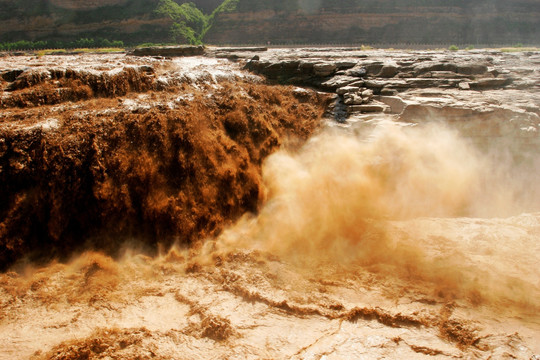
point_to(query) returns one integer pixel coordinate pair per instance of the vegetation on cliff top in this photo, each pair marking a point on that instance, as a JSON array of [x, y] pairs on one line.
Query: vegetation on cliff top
[[189, 23], [81, 43]]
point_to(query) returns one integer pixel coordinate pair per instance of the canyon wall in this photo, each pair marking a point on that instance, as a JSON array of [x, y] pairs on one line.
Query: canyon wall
[[132, 21], [281, 22], [386, 21]]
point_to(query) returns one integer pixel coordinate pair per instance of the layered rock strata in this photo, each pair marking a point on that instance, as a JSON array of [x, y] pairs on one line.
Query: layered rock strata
[[464, 88]]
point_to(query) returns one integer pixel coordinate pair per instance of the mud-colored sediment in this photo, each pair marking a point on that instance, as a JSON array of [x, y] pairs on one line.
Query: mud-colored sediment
[[115, 159], [193, 211]]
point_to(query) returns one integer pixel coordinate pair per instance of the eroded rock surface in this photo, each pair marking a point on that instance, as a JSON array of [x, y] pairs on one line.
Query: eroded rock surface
[[465, 88]]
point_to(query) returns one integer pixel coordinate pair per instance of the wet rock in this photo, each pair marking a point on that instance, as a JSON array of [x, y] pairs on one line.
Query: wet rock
[[358, 71], [243, 49], [172, 51], [347, 89], [352, 99], [398, 75], [273, 70], [281, 70], [29, 78], [306, 67], [146, 69], [290, 65], [231, 57], [369, 108], [11, 75], [338, 81]]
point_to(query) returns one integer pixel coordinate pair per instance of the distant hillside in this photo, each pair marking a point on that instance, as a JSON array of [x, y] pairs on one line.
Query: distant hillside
[[379, 21], [275, 21], [132, 21]]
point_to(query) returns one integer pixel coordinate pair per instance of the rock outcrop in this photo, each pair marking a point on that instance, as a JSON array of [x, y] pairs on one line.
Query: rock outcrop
[[186, 50], [382, 21], [485, 94]]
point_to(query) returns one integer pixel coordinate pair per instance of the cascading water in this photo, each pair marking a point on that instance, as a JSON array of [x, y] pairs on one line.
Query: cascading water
[[396, 240]]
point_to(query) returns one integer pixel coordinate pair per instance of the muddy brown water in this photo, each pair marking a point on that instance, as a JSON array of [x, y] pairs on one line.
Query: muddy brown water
[[213, 216]]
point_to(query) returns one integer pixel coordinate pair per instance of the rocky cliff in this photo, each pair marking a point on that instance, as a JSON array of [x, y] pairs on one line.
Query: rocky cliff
[[281, 22], [385, 21], [127, 20]]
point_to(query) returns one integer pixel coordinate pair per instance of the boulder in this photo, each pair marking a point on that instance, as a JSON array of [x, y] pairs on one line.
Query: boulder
[[358, 71], [11, 75], [273, 71], [347, 89], [344, 65], [388, 71], [338, 81], [368, 94], [464, 86], [397, 105], [324, 69], [375, 84], [352, 99]]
